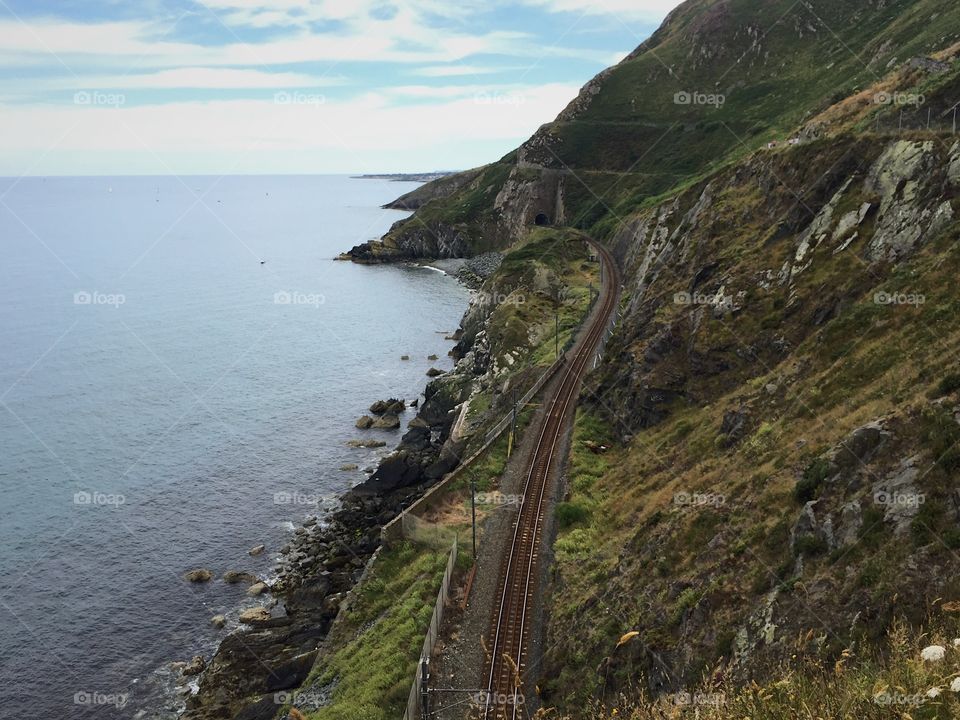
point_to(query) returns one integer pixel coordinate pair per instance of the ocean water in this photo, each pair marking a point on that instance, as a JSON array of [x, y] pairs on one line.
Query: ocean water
[[181, 365]]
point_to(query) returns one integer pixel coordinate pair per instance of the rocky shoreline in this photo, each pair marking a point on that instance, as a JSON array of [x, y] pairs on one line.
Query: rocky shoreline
[[471, 271], [277, 643]]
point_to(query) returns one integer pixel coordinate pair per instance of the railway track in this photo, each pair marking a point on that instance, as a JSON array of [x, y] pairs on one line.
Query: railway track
[[518, 576]]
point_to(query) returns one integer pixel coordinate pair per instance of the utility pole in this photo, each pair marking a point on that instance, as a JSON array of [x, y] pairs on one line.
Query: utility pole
[[929, 110], [954, 119], [473, 515], [556, 332], [900, 129]]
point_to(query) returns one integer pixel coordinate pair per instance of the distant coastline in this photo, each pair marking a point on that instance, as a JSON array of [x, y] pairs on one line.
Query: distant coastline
[[406, 177]]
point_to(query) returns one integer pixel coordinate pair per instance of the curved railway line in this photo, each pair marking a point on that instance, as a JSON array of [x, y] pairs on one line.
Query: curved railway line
[[518, 576]]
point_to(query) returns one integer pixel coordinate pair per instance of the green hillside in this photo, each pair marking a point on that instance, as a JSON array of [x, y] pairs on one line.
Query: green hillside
[[719, 80], [777, 518]]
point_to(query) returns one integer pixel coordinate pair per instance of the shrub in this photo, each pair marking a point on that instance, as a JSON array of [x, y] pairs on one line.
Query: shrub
[[571, 513], [810, 546], [948, 384], [951, 538], [813, 477]]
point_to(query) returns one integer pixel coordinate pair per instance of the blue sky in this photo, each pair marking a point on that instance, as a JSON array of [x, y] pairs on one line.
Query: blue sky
[[298, 86]]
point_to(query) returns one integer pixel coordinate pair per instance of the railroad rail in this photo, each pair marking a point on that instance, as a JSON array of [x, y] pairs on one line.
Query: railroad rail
[[520, 570]]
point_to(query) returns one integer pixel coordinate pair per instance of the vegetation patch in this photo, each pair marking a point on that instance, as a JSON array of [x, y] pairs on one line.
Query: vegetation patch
[[376, 647]]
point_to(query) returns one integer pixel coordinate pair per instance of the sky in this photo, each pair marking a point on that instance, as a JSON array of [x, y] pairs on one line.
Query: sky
[[114, 87]]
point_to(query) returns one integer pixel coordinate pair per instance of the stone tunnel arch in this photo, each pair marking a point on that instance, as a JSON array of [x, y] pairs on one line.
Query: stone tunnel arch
[[541, 219]]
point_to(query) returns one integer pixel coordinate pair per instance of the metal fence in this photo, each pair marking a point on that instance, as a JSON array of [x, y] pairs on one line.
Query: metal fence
[[406, 525], [433, 632], [429, 534], [504, 423]]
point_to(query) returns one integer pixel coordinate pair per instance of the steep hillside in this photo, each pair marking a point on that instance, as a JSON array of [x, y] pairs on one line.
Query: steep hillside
[[765, 478], [720, 79], [781, 403]]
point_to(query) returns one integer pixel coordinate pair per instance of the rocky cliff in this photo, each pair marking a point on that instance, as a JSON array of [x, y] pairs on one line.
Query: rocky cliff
[[781, 401], [764, 473]]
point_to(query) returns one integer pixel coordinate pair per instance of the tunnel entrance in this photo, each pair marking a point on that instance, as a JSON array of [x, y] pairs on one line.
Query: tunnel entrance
[[541, 219]]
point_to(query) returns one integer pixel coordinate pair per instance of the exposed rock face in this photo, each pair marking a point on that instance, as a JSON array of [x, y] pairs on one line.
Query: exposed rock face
[[539, 151], [734, 425], [529, 193], [907, 177], [199, 575], [928, 65], [415, 241], [858, 449], [851, 523], [899, 496], [895, 194]]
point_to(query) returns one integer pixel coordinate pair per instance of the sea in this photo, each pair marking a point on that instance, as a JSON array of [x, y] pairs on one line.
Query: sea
[[181, 366]]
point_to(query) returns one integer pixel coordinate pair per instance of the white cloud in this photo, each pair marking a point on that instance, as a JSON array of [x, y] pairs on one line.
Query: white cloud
[[460, 117], [74, 45], [458, 70], [652, 11], [280, 13], [366, 133], [188, 78]]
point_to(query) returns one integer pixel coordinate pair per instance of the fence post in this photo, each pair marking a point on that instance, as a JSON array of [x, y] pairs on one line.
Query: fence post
[[424, 691]]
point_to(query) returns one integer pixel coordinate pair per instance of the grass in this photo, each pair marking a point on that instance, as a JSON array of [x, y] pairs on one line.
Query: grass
[[687, 577], [895, 683], [630, 546], [377, 644]]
